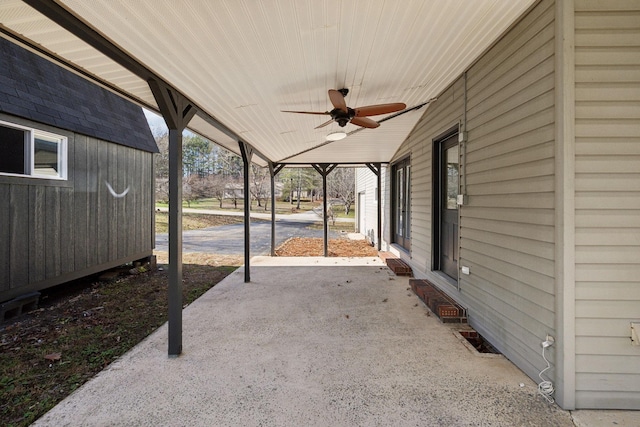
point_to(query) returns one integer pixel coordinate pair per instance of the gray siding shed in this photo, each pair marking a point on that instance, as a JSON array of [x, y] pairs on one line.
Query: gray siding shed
[[57, 230]]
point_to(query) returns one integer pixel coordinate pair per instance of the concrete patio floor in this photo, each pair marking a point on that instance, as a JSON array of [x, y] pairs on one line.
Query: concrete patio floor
[[311, 342]]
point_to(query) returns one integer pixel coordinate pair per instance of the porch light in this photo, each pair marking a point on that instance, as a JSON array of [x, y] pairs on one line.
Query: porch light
[[336, 136]]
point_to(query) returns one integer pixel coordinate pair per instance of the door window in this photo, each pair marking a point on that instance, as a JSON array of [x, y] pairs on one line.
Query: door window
[[445, 190], [402, 203]]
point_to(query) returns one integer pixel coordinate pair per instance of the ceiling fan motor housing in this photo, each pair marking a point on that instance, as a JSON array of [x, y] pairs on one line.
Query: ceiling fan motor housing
[[343, 117]]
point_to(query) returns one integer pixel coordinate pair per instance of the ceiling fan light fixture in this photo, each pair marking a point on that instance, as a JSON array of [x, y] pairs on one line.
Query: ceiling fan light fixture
[[336, 136]]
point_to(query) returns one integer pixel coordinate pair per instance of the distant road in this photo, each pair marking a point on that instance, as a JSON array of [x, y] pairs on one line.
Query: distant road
[[307, 216], [229, 239]]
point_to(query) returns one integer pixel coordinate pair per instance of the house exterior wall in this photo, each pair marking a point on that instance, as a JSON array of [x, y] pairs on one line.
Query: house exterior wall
[[507, 227], [607, 197], [54, 231], [551, 168], [367, 183], [442, 115]]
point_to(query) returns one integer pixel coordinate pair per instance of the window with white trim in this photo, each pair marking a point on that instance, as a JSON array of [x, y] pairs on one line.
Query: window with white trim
[[32, 152]]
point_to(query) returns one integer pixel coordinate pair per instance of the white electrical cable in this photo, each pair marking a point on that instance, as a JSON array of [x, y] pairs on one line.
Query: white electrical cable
[[545, 388]]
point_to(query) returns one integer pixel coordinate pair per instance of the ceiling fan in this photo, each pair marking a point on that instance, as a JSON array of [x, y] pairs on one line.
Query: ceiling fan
[[357, 116]]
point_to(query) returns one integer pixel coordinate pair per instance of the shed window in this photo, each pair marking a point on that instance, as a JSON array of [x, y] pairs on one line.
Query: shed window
[[32, 152]]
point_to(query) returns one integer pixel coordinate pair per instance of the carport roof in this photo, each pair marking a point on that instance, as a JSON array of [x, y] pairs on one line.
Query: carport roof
[[243, 61]]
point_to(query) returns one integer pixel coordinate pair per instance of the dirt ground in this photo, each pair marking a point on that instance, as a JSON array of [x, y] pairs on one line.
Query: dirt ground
[[214, 260], [81, 327]]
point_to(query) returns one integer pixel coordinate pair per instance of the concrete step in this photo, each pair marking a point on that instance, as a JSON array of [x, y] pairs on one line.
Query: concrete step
[[443, 306], [398, 266]]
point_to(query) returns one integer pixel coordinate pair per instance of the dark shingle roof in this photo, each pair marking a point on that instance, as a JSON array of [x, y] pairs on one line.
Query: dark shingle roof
[[35, 88]]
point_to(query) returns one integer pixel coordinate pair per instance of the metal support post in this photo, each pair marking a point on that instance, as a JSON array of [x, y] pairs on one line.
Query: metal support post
[[325, 169], [274, 168], [175, 242], [177, 112], [247, 153]]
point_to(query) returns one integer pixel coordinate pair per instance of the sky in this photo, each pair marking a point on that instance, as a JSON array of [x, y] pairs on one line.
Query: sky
[[158, 126], [156, 123]]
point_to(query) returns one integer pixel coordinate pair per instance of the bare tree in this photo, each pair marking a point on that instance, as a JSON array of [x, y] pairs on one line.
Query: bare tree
[[233, 189], [341, 185], [161, 165], [162, 189], [215, 186], [258, 187], [192, 188], [161, 159]]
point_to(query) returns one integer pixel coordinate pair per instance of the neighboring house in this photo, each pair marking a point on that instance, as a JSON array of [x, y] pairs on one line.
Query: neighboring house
[[543, 147], [76, 176], [236, 190]]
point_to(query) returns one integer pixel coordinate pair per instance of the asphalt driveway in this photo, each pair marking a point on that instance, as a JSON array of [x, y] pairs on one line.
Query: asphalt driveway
[[229, 239]]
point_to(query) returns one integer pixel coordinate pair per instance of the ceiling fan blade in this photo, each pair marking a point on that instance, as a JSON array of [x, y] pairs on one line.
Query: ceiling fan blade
[[324, 124], [306, 112], [365, 122], [337, 99], [374, 110]]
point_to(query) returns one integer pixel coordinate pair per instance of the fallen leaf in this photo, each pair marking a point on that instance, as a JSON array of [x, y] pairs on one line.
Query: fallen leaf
[[53, 356]]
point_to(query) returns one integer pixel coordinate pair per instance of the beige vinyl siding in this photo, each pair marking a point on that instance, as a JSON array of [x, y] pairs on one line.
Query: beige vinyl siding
[[440, 116], [607, 202], [366, 182], [386, 196], [507, 228]]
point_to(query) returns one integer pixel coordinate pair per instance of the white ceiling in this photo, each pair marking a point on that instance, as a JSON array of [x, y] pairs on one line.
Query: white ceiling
[[242, 61]]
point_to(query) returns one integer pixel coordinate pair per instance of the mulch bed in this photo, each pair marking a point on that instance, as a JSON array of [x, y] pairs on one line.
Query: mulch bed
[[308, 246]]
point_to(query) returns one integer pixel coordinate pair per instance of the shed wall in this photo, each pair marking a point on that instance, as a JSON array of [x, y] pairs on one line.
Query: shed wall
[[607, 179], [57, 231]]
